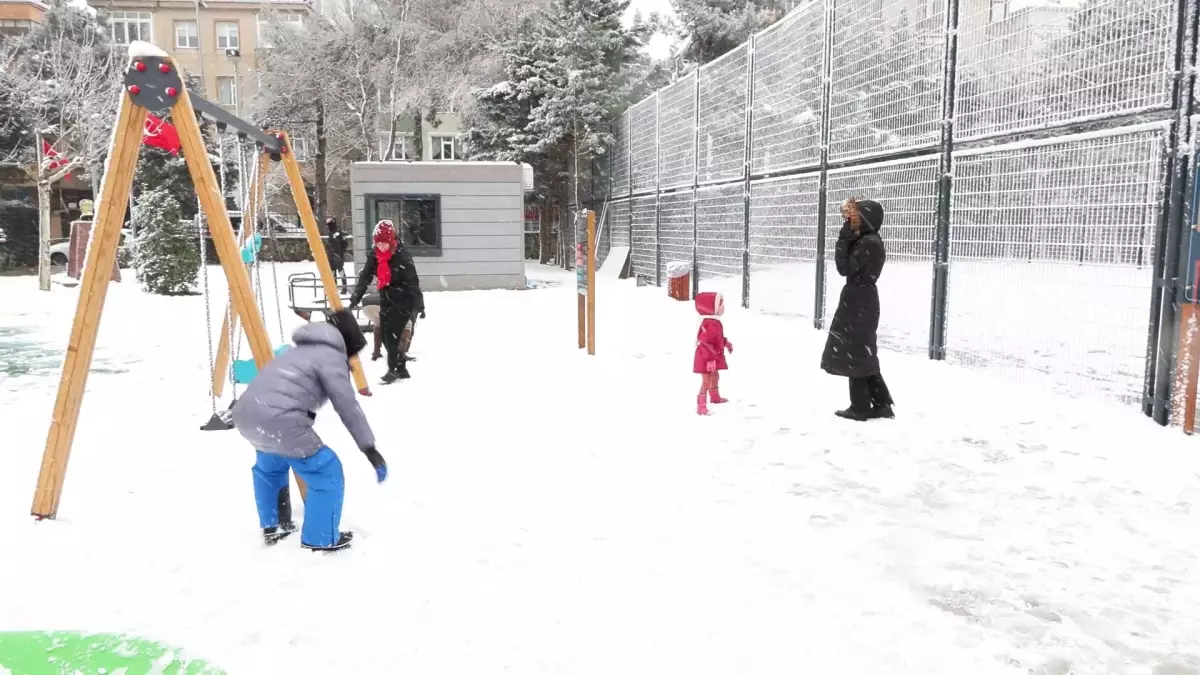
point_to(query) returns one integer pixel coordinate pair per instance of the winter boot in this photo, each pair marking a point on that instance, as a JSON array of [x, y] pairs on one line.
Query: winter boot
[[342, 542], [883, 412], [852, 414], [701, 405], [389, 377], [402, 371], [714, 396], [273, 535]]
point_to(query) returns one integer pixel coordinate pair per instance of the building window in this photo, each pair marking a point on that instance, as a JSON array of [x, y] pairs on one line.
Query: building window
[[187, 36], [299, 148], [227, 35], [444, 147], [418, 220], [285, 20], [24, 24], [130, 26], [404, 149], [227, 91]]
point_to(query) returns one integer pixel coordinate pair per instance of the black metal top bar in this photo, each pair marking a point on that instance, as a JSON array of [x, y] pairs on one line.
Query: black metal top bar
[[153, 83]]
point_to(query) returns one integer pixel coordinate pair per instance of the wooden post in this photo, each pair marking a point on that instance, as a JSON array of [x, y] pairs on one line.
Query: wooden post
[[123, 155], [221, 364], [304, 208], [1189, 347], [591, 283], [228, 251]]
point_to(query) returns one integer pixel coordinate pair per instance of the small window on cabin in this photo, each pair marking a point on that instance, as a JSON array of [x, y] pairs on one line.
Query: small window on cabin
[[417, 219]]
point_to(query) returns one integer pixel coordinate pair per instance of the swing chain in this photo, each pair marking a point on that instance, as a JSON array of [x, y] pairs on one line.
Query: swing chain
[[212, 396]]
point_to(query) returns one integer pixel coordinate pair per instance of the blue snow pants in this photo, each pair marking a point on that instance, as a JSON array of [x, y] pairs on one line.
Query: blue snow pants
[[326, 489]]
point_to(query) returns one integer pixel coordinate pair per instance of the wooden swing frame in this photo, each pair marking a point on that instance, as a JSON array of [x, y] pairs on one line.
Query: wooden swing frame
[[153, 82]]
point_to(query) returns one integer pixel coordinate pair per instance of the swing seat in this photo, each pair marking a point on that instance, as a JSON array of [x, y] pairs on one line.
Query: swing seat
[[251, 249], [244, 370]]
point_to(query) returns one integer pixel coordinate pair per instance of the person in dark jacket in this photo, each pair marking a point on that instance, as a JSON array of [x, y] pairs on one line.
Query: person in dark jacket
[[851, 350], [335, 248], [276, 416], [400, 296]]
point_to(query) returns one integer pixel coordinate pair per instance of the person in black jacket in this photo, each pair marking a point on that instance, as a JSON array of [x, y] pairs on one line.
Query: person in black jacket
[[852, 347], [335, 248], [399, 294]]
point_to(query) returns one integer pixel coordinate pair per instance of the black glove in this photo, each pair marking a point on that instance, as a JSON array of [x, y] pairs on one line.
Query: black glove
[[422, 314], [354, 300], [312, 415], [377, 462]]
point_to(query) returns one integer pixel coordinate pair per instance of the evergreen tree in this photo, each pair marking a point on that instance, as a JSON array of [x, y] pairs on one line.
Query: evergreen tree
[[709, 28], [166, 257]]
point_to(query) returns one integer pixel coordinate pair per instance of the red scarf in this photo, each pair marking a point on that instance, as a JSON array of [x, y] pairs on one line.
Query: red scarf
[[383, 272]]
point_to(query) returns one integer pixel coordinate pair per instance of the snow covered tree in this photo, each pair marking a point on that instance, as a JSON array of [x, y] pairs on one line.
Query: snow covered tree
[[709, 28], [567, 73], [167, 257], [63, 77]]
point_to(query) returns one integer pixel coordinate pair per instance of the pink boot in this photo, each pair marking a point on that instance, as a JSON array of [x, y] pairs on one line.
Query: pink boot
[[715, 396], [701, 405]]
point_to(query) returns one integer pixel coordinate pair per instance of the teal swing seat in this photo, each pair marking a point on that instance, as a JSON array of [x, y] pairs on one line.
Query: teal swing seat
[[244, 370]]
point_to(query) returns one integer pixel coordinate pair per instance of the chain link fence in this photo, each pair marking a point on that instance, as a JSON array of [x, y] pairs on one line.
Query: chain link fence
[[1022, 152]]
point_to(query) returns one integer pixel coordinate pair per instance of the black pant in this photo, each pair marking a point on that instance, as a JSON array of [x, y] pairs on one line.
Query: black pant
[[392, 321], [869, 392], [339, 273]]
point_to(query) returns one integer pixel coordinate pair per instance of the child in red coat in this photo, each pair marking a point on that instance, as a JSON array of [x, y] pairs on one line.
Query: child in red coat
[[711, 346]]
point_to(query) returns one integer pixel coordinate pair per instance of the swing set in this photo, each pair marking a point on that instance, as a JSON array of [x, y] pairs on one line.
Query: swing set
[[153, 83]]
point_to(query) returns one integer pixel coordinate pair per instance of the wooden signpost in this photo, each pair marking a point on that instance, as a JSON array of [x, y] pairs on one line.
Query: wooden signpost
[[585, 284]]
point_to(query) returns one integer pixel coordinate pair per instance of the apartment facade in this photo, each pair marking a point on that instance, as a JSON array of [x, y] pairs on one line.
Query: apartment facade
[[18, 16], [214, 41]]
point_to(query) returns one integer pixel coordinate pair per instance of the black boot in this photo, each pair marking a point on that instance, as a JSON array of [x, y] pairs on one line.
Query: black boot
[[882, 412], [343, 542], [402, 371], [273, 535], [389, 377], [852, 414], [860, 401]]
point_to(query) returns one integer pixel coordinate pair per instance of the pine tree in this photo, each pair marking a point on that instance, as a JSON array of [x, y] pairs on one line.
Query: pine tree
[[167, 257], [710, 28]]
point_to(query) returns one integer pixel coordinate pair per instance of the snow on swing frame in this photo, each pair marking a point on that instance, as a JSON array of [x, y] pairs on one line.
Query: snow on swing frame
[[152, 82]]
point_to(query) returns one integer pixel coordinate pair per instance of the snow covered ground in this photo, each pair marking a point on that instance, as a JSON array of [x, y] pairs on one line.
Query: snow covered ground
[[550, 512]]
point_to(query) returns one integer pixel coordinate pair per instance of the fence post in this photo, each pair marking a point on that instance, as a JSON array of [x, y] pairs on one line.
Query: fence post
[[657, 190], [696, 187], [1162, 342], [629, 181], [823, 188], [941, 244], [746, 172]]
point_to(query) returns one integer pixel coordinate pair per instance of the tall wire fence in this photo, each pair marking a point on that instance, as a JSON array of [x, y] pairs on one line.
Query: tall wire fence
[[1031, 158]]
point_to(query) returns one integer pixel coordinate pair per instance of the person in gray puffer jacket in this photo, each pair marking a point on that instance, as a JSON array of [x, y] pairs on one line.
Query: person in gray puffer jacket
[[276, 416]]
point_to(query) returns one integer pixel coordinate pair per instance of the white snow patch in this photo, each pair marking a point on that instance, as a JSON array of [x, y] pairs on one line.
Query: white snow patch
[[139, 49]]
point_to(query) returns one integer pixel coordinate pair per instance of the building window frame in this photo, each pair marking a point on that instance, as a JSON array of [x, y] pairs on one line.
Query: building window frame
[[191, 39], [438, 143], [417, 250], [141, 22], [263, 21], [230, 101], [224, 42]]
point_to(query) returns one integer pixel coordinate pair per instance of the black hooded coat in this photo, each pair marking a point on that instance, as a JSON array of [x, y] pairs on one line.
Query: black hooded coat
[[852, 347]]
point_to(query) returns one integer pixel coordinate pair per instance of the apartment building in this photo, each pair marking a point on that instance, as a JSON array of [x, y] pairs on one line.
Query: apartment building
[[214, 41], [18, 16], [440, 134]]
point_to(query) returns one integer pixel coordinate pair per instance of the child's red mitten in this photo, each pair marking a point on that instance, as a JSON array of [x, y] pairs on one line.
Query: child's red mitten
[[729, 346], [711, 366]]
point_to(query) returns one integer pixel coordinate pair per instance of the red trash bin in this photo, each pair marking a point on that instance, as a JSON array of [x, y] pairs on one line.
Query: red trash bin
[[679, 281]]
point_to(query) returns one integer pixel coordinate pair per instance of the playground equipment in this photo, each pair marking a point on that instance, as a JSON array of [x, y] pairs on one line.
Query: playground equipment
[[153, 82], [76, 652]]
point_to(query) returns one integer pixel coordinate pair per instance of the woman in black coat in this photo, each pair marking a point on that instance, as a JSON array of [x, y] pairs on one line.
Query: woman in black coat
[[851, 349], [335, 248]]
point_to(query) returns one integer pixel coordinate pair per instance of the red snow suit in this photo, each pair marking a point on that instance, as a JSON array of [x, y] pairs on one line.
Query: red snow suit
[[710, 339]]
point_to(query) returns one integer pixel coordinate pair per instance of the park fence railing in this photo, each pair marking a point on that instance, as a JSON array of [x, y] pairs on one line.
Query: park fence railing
[[1032, 158]]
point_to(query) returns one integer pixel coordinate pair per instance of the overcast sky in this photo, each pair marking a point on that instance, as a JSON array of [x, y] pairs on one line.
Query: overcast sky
[[660, 45]]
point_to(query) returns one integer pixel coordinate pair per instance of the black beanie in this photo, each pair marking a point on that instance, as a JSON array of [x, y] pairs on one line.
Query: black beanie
[[345, 323]]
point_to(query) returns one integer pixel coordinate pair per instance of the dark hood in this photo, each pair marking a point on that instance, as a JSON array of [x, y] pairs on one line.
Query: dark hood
[[872, 215]]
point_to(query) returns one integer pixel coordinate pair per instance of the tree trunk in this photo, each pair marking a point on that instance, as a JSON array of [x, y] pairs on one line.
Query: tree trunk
[[321, 178], [43, 234], [418, 137], [544, 234]]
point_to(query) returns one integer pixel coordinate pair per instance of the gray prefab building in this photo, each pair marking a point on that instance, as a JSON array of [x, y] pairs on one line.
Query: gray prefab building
[[463, 222]]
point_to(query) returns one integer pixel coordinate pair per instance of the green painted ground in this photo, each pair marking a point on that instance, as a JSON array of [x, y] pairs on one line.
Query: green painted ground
[[68, 653]]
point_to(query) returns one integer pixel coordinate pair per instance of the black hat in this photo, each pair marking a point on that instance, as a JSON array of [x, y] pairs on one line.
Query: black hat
[[345, 323]]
